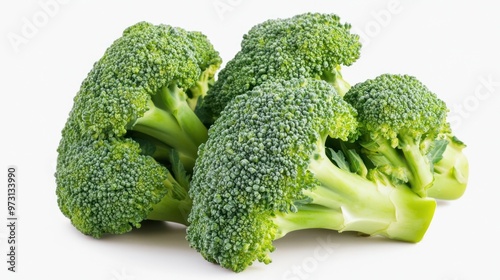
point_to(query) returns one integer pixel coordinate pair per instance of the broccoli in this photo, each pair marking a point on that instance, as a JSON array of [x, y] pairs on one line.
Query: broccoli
[[450, 166], [310, 45], [265, 171], [400, 119], [131, 139]]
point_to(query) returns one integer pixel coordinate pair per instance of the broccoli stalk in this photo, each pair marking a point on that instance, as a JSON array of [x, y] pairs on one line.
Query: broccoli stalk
[[346, 201], [418, 163], [334, 77], [171, 209], [451, 170], [404, 160], [174, 207], [170, 119]]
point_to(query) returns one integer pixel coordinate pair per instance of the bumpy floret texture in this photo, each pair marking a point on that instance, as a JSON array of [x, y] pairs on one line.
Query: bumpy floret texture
[[146, 58], [107, 182], [392, 105], [255, 164], [308, 45], [107, 186]]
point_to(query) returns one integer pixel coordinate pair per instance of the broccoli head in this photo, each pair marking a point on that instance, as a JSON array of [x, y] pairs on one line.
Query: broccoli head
[[310, 45], [265, 171], [400, 119], [131, 139], [110, 186]]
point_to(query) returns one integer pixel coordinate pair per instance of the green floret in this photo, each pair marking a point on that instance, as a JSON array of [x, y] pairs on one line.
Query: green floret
[[139, 96], [399, 118], [110, 186], [310, 45], [264, 172], [210, 62], [140, 84]]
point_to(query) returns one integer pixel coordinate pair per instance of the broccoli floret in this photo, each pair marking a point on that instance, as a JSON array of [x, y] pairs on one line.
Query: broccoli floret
[[110, 186], [264, 172], [400, 119], [210, 62], [131, 138], [310, 45]]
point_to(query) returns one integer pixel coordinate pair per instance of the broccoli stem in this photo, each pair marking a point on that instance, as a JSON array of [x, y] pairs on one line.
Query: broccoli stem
[[177, 104], [386, 158], [163, 153], [171, 210], [411, 166], [383, 147], [160, 151], [334, 77], [420, 168], [450, 173], [345, 201], [162, 126], [175, 206], [171, 121]]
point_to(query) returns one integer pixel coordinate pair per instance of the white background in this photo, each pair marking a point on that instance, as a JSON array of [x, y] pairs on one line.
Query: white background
[[47, 50]]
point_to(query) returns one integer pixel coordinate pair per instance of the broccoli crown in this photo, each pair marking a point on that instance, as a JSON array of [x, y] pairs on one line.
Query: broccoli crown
[[310, 45], [109, 174], [255, 164], [108, 186], [391, 106], [145, 59]]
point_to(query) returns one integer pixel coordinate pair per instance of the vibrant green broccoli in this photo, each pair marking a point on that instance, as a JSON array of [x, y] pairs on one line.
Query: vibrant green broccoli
[[265, 171], [450, 166], [310, 45], [131, 138], [400, 120]]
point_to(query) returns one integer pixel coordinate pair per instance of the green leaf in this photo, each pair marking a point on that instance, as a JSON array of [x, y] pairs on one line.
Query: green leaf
[[435, 153], [356, 162], [339, 159]]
